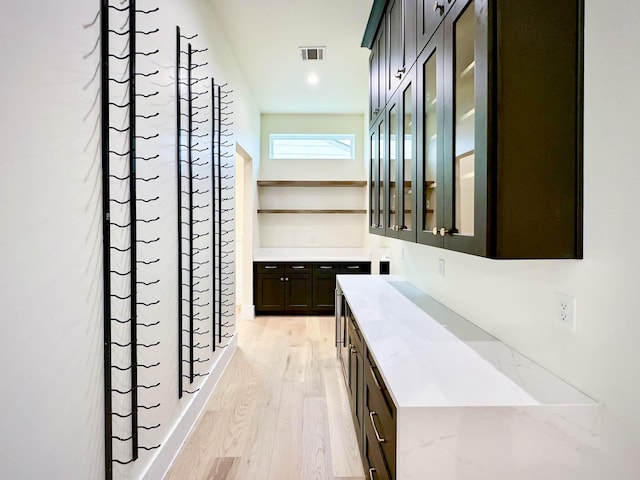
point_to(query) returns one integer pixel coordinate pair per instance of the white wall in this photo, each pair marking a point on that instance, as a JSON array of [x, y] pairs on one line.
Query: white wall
[[312, 230], [51, 317], [514, 299]]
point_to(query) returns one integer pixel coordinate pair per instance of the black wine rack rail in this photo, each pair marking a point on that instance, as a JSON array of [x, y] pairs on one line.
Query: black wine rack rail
[[128, 269]]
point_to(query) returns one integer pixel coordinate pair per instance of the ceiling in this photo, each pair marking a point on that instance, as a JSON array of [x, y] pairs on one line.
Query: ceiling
[[265, 36]]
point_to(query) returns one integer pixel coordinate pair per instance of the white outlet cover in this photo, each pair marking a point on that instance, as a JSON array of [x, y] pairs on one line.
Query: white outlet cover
[[565, 309]]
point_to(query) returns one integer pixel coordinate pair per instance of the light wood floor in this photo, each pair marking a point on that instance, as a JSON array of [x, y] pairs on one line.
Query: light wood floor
[[280, 411]]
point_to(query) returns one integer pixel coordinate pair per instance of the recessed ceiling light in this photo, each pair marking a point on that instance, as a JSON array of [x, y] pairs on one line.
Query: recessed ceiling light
[[313, 79]]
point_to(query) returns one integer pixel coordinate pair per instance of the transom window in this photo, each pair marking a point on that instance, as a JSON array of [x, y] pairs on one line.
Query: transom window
[[311, 146]]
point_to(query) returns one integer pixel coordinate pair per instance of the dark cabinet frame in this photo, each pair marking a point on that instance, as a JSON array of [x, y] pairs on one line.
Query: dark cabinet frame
[[528, 83], [434, 50], [399, 229], [400, 26], [377, 206], [377, 76]]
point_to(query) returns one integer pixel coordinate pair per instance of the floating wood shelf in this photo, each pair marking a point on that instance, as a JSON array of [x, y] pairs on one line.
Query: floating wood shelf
[[312, 183], [310, 211]]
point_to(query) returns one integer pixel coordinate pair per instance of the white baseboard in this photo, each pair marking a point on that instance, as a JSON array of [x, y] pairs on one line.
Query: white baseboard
[[171, 447], [247, 312]]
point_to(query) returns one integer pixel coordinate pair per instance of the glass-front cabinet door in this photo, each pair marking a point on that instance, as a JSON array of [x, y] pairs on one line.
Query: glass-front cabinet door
[[402, 161], [463, 227], [391, 170], [430, 125], [376, 177]]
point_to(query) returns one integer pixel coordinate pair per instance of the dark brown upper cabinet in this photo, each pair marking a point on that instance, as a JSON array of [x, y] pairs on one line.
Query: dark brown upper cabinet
[[430, 141], [498, 107], [377, 140], [377, 76], [400, 161], [400, 26], [430, 15]]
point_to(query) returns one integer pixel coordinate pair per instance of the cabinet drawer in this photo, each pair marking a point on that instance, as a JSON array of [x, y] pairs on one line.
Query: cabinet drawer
[[326, 268], [297, 267], [375, 465], [272, 267], [355, 335], [380, 413], [374, 378], [355, 267]]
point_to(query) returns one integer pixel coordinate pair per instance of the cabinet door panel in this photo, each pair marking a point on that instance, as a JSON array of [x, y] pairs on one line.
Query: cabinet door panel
[[298, 292], [400, 25], [430, 125], [391, 169], [270, 293], [407, 160], [466, 120], [377, 76], [430, 15], [324, 292]]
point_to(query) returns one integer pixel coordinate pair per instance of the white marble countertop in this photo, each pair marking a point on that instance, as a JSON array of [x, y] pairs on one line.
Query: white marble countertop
[[311, 255], [441, 359]]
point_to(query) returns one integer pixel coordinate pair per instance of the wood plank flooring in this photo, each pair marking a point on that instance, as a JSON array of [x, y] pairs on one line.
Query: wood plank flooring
[[280, 411]]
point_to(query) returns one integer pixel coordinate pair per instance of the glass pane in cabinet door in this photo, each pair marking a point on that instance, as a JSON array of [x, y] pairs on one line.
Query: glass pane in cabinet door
[[430, 136], [464, 101], [381, 159], [372, 182], [393, 165], [407, 148]]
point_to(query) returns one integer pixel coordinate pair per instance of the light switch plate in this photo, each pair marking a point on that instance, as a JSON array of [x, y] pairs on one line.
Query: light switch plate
[[441, 267]]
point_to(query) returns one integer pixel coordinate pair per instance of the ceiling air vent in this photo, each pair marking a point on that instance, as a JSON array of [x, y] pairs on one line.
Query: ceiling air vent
[[313, 53]]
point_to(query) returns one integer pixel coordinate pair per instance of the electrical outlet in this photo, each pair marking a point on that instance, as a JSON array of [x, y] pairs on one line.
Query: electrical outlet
[[565, 309]]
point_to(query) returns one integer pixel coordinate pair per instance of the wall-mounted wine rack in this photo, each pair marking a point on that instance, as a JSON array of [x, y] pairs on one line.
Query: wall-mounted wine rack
[[205, 196], [127, 248]]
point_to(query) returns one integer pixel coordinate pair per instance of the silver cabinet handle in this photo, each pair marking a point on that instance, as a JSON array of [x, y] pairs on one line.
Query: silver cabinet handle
[[372, 472], [435, 231], [353, 267], [286, 279], [375, 429], [270, 267], [375, 379], [298, 267], [443, 231], [282, 279], [326, 267]]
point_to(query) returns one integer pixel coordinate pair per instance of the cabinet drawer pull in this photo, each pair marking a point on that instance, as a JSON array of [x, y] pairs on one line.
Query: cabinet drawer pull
[[282, 279], [298, 267], [372, 472], [269, 267], [353, 267], [375, 429], [326, 267], [375, 379], [286, 279]]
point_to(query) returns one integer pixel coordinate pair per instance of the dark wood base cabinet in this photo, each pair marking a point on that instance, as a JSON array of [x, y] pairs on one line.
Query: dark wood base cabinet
[[373, 410], [305, 288]]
